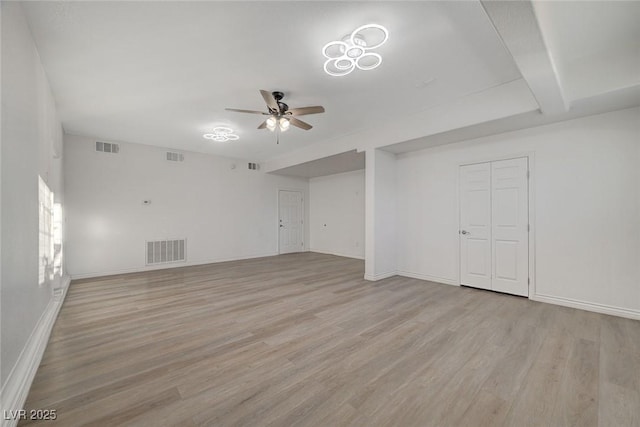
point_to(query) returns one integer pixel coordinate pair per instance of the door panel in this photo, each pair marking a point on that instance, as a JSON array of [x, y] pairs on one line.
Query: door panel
[[505, 211], [475, 225], [506, 255], [290, 221], [478, 257], [510, 220]]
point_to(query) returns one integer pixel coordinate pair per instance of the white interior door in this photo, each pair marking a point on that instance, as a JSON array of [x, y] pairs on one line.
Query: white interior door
[[291, 224], [475, 225], [494, 226], [509, 229]]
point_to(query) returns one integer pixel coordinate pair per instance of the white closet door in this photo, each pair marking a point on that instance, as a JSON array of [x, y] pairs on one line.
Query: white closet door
[[475, 225], [509, 230], [494, 226]]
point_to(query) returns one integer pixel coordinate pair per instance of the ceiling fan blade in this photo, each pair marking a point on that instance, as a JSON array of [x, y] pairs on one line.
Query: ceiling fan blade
[[299, 123], [263, 125], [246, 111], [306, 110], [270, 100]]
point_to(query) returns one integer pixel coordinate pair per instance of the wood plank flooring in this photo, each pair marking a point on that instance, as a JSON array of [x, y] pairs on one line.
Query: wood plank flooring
[[303, 340]]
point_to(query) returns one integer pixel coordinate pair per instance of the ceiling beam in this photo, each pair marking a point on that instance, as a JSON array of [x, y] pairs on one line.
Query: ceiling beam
[[517, 26], [500, 101]]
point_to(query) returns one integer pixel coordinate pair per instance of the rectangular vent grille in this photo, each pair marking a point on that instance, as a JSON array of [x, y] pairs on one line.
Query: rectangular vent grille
[[175, 157], [107, 147], [254, 166], [165, 251]]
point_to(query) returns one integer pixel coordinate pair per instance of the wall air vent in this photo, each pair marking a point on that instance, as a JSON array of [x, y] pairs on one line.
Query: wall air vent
[[107, 147], [254, 166], [175, 157], [166, 251]]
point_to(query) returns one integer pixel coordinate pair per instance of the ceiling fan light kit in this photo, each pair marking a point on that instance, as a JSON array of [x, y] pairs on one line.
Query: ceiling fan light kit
[[353, 51], [271, 123], [284, 124]]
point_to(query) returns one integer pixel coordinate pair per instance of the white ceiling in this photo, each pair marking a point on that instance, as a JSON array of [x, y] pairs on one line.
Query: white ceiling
[[161, 73], [595, 44]]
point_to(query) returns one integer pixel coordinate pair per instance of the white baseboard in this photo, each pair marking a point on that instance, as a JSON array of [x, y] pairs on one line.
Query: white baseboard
[[165, 266], [16, 388], [342, 254], [379, 276], [435, 279], [589, 306]]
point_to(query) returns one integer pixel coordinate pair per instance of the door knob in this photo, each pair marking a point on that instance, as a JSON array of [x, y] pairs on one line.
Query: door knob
[[281, 225], [464, 232]]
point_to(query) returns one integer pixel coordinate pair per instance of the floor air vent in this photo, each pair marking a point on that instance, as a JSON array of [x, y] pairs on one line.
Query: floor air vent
[[107, 147], [254, 166], [165, 251]]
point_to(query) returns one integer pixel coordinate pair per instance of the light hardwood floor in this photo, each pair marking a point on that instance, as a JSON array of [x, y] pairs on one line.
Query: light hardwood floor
[[303, 340]]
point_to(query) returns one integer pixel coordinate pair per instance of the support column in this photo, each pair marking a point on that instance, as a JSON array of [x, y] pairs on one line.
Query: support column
[[380, 215]]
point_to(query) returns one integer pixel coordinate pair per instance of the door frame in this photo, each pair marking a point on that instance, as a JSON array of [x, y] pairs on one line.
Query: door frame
[[530, 155], [304, 218]]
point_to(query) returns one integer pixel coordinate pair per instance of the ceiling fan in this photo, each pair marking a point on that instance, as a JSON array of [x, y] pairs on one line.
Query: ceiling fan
[[280, 116]]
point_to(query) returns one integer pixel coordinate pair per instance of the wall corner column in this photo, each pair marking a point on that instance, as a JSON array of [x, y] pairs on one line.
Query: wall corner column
[[380, 215]]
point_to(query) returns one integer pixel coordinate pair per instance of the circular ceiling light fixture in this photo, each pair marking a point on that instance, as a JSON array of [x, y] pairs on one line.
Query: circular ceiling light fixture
[[221, 134], [353, 51]]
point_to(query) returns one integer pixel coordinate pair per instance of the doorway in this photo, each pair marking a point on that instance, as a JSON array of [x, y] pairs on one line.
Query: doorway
[[494, 226]]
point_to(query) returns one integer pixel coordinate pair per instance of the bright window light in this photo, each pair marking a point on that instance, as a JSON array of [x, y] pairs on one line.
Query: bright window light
[[46, 239], [57, 239]]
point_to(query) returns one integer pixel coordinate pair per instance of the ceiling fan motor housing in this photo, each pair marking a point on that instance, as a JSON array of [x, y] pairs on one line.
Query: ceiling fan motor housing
[[278, 97]]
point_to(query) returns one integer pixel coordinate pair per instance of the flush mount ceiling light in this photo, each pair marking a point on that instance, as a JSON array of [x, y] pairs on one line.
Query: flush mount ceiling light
[[221, 134], [353, 51]]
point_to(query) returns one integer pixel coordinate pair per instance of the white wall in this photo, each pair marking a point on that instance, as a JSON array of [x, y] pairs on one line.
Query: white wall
[[586, 184], [31, 133], [223, 213], [336, 214]]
